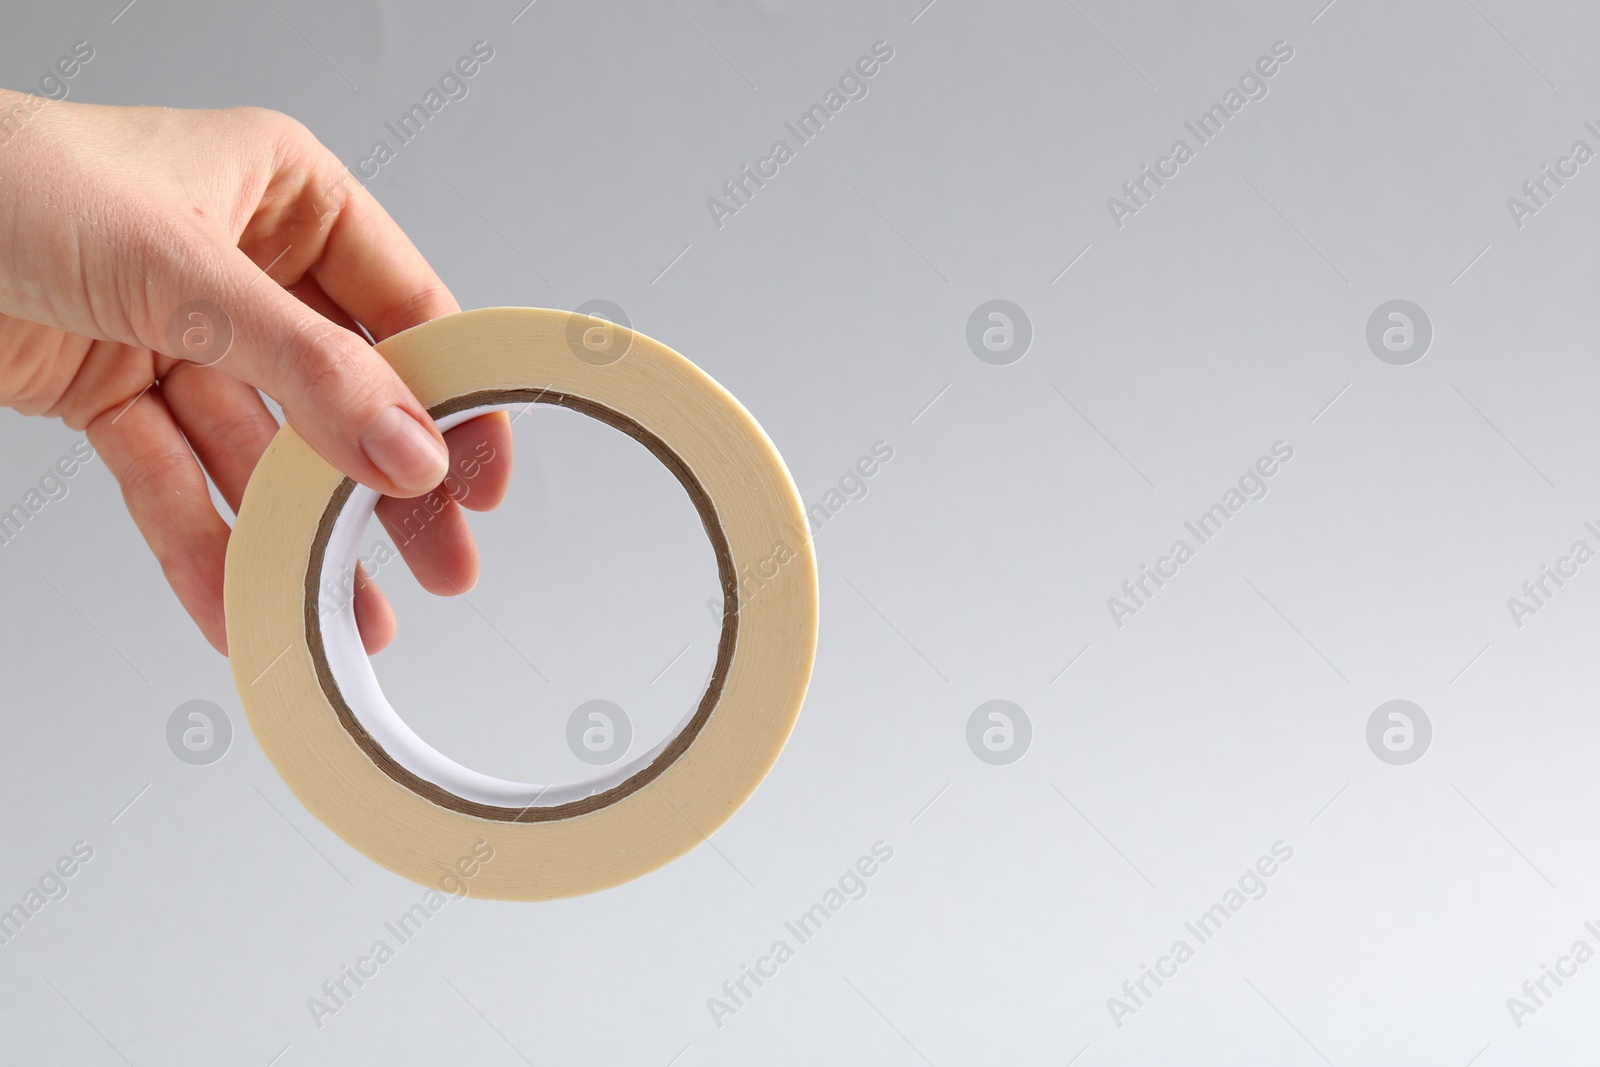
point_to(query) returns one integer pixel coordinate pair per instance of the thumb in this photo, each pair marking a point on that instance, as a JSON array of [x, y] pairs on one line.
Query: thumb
[[335, 389]]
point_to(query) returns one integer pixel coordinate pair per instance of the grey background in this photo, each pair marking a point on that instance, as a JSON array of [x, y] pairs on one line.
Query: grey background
[[1227, 715]]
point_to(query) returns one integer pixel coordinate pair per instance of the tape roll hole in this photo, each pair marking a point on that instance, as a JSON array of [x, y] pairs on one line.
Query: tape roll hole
[[597, 549]]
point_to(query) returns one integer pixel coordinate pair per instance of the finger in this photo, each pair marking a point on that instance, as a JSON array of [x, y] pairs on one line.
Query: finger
[[431, 531], [338, 393], [367, 270], [372, 270], [480, 448], [228, 428], [480, 461], [432, 536], [167, 497], [374, 615], [309, 293], [445, 560], [225, 422]]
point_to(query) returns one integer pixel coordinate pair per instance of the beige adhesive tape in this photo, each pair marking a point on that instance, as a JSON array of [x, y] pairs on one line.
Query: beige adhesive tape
[[320, 716]]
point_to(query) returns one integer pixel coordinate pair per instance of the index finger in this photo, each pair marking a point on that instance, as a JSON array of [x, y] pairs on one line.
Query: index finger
[[373, 271], [370, 268]]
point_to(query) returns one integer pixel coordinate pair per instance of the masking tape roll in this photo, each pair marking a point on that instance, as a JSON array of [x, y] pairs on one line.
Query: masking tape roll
[[319, 714]]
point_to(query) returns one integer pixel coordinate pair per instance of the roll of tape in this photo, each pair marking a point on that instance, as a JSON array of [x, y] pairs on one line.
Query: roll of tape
[[317, 709]]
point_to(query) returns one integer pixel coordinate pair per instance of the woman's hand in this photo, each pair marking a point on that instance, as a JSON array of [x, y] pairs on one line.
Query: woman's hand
[[133, 241]]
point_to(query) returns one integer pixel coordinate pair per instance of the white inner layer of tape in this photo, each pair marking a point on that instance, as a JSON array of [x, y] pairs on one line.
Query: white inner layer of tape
[[352, 670]]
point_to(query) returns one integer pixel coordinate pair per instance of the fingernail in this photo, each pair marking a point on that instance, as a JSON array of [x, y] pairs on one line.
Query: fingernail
[[407, 454]]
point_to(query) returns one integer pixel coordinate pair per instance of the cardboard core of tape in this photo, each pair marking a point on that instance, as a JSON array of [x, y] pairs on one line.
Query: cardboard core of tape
[[314, 704]]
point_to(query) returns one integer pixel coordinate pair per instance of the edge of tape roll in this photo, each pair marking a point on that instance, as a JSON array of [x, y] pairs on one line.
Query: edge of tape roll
[[284, 652]]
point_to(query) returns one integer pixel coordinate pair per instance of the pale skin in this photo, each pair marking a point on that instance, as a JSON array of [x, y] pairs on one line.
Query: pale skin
[[112, 218]]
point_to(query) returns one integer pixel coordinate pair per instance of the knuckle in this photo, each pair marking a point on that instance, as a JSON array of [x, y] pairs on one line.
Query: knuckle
[[242, 433], [239, 429], [159, 472], [427, 300], [313, 356], [273, 123], [321, 361]]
